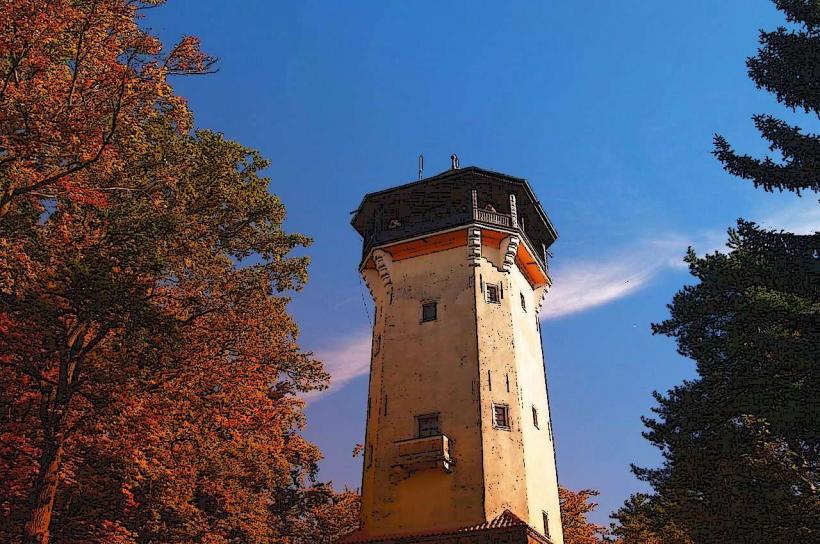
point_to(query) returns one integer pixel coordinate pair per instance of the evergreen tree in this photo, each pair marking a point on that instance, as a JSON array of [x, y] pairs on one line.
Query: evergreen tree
[[787, 65], [741, 442], [642, 521]]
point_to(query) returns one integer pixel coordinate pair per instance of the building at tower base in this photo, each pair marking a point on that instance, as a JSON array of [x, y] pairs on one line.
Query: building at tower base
[[505, 529]]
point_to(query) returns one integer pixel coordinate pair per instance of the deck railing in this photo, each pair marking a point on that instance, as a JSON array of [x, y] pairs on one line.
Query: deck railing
[[493, 218], [384, 234]]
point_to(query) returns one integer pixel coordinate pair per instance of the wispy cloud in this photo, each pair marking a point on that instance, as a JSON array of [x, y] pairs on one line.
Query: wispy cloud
[[803, 217], [347, 358], [585, 284], [588, 283]]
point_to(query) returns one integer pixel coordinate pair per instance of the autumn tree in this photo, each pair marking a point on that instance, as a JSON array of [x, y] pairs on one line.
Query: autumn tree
[[77, 78], [149, 369], [331, 516], [575, 506], [741, 442]]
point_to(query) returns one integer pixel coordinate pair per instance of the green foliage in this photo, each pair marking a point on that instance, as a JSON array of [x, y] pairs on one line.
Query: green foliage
[[741, 442], [786, 65], [642, 520]]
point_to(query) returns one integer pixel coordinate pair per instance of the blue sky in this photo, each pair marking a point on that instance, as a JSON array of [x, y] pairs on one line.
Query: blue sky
[[606, 107]]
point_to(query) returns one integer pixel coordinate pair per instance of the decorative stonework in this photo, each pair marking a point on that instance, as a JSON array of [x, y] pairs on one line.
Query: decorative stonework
[[383, 262], [474, 246], [370, 278], [540, 295], [380, 278], [509, 249], [432, 452], [450, 200]]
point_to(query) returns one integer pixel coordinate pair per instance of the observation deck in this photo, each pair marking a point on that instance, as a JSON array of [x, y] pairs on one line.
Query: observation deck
[[455, 198]]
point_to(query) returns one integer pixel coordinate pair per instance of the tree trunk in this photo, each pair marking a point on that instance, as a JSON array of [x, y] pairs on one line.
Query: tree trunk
[[5, 201], [42, 495]]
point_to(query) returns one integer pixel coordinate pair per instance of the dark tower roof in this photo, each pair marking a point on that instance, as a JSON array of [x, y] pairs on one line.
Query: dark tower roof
[[445, 201]]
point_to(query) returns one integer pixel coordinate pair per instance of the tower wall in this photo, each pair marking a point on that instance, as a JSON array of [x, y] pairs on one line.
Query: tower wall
[[539, 448], [475, 355], [504, 469], [419, 368], [519, 465]]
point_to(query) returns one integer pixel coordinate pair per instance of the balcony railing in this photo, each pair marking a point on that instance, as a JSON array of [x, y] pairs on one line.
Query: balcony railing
[[386, 233], [493, 218], [422, 453]]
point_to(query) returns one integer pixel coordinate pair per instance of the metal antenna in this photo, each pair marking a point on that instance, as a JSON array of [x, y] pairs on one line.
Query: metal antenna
[[421, 166]]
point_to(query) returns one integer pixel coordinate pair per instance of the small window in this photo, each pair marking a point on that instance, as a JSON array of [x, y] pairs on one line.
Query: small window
[[428, 425], [429, 312], [535, 417], [501, 416], [370, 456], [546, 524], [523, 302], [377, 345], [492, 294]]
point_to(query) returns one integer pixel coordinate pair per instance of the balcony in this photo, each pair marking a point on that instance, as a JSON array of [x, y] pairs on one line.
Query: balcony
[[493, 218], [389, 230], [450, 200], [432, 452]]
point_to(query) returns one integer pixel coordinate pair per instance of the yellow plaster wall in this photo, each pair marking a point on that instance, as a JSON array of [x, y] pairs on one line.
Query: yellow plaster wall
[[458, 366], [539, 458], [424, 368], [520, 472], [504, 474]]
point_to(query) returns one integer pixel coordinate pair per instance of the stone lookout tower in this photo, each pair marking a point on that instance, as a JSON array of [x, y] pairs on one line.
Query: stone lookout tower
[[459, 444]]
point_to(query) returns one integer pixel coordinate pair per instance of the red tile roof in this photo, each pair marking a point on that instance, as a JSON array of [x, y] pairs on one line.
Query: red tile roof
[[507, 520]]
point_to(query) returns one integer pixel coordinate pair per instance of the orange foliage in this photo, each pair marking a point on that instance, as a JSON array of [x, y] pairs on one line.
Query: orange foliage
[[575, 505], [148, 381], [77, 80]]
